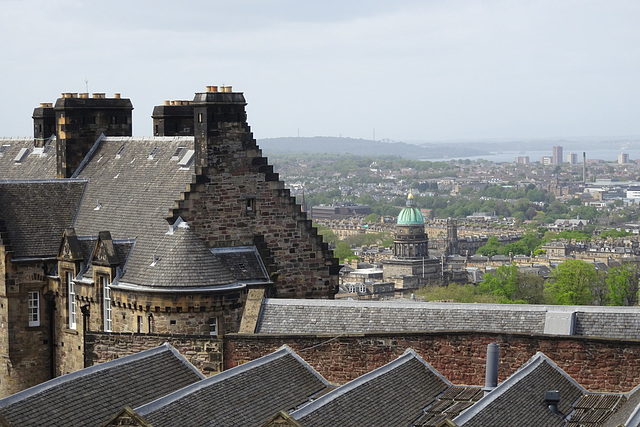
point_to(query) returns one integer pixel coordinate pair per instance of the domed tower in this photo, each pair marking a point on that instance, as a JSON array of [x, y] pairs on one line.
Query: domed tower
[[411, 266], [411, 241]]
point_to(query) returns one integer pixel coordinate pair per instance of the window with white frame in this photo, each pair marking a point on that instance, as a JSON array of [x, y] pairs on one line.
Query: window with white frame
[[106, 303], [71, 296], [213, 326], [34, 308]]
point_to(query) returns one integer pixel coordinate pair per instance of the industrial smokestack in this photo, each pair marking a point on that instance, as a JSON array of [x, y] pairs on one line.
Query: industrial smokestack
[[584, 167], [491, 376]]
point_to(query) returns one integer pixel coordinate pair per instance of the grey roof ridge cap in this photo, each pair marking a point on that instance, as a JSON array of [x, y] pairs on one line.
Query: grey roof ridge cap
[[88, 156], [455, 306], [634, 418], [207, 382], [31, 259], [247, 248], [632, 391], [126, 261], [351, 385], [428, 365], [184, 360], [305, 364], [215, 288], [538, 359], [185, 138], [32, 391], [42, 181], [84, 192]]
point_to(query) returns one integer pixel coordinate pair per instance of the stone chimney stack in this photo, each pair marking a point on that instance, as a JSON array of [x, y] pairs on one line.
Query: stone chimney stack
[[220, 127]]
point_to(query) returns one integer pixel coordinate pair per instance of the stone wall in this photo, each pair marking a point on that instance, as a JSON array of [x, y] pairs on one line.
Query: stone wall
[[236, 199], [25, 349], [204, 352], [597, 364]]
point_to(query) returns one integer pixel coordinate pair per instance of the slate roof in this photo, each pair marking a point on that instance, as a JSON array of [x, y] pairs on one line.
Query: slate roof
[[592, 410], [449, 405], [519, 400], [246, 395], [134, 182], [299, 316], [315, 316], [393, 394], [628, 413], [91, 396], [37, 163], [243, 262], [36, 212], [183, 262]]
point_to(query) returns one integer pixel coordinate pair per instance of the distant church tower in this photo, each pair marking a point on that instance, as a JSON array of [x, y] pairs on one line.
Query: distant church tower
[[452, 237], [411, 266]]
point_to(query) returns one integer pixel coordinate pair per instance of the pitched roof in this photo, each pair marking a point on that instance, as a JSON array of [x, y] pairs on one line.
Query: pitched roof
[[449, 405], [247, 395], [20, 159], [92, 395], [130, 191], [36, 212], [134, 182], [520, 399], [394, 394], [628, 413], [593, 409]]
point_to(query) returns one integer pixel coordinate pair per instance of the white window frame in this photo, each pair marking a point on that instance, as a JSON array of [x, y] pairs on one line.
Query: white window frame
[[71, 296], [34, 308], [106, 303], [213, 326]]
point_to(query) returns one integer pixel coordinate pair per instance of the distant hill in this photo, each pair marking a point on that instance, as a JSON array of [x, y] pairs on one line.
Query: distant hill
[[337, 145]]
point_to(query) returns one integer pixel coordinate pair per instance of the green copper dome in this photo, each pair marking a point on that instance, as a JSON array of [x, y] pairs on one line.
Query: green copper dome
[[410, 215]]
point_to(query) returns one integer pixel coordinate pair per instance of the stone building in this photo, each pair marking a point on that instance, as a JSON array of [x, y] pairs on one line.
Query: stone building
[[411, 266], [110, 233]]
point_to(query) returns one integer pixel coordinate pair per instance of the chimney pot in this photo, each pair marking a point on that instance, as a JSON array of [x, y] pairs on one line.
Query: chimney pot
[[212, 88]]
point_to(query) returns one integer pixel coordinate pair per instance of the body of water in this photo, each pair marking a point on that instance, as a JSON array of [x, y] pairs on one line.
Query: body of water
[[534, 156]]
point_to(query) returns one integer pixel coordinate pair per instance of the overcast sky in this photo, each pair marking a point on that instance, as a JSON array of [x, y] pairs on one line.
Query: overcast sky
[[412, 70]]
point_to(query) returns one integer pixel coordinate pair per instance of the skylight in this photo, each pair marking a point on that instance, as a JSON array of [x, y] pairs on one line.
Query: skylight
[[21, 155], [176, 155], [186, 159], [4, 148], [120, 151], [153, 152]]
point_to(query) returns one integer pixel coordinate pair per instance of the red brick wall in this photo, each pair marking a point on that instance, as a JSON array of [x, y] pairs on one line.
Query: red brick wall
[[597, 364]]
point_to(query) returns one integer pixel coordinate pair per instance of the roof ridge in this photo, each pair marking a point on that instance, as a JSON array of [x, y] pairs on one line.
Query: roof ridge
[[32, 391], [407, 356], [207, 382]]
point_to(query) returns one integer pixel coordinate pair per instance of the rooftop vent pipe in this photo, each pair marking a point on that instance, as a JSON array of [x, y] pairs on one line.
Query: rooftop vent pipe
[[551, 399], [491, 375]]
